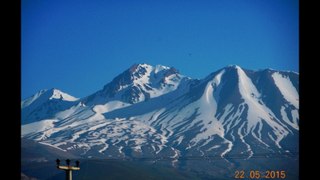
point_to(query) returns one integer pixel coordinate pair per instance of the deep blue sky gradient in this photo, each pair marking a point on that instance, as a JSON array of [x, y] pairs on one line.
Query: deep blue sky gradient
[[80, 45]]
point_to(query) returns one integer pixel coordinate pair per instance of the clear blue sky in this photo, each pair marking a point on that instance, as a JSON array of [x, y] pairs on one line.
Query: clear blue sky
[[80, 45]]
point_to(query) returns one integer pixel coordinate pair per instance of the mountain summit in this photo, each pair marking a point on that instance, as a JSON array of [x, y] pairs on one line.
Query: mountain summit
[[140, 82], [155, 111], [45, 103]]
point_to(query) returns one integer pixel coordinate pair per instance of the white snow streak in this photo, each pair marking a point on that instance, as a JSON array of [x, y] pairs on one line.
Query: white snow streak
[[293, 124], [36, 127], [287, 89]]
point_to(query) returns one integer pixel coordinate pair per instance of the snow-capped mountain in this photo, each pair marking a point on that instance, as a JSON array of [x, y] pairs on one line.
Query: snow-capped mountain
[[155, 111], [45, 104], [140, 82]]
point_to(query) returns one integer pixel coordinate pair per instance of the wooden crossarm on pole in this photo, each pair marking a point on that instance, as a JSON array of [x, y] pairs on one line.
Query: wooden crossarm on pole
[[68, 168]]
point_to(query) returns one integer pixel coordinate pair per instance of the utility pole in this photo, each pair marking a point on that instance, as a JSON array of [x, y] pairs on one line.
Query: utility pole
[[68, 169]]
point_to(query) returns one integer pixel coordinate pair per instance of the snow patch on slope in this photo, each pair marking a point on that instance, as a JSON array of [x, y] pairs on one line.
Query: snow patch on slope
[[258, 111], [31, 99], [37, 126], [294, 122], [208, 107], [286, 88], [110, 106]]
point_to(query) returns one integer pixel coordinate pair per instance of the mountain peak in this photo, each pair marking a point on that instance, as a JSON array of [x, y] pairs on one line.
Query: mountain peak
[[139, 83], [161, 67], [47, 94], [58, 94], [139, 67], [233, 66]]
